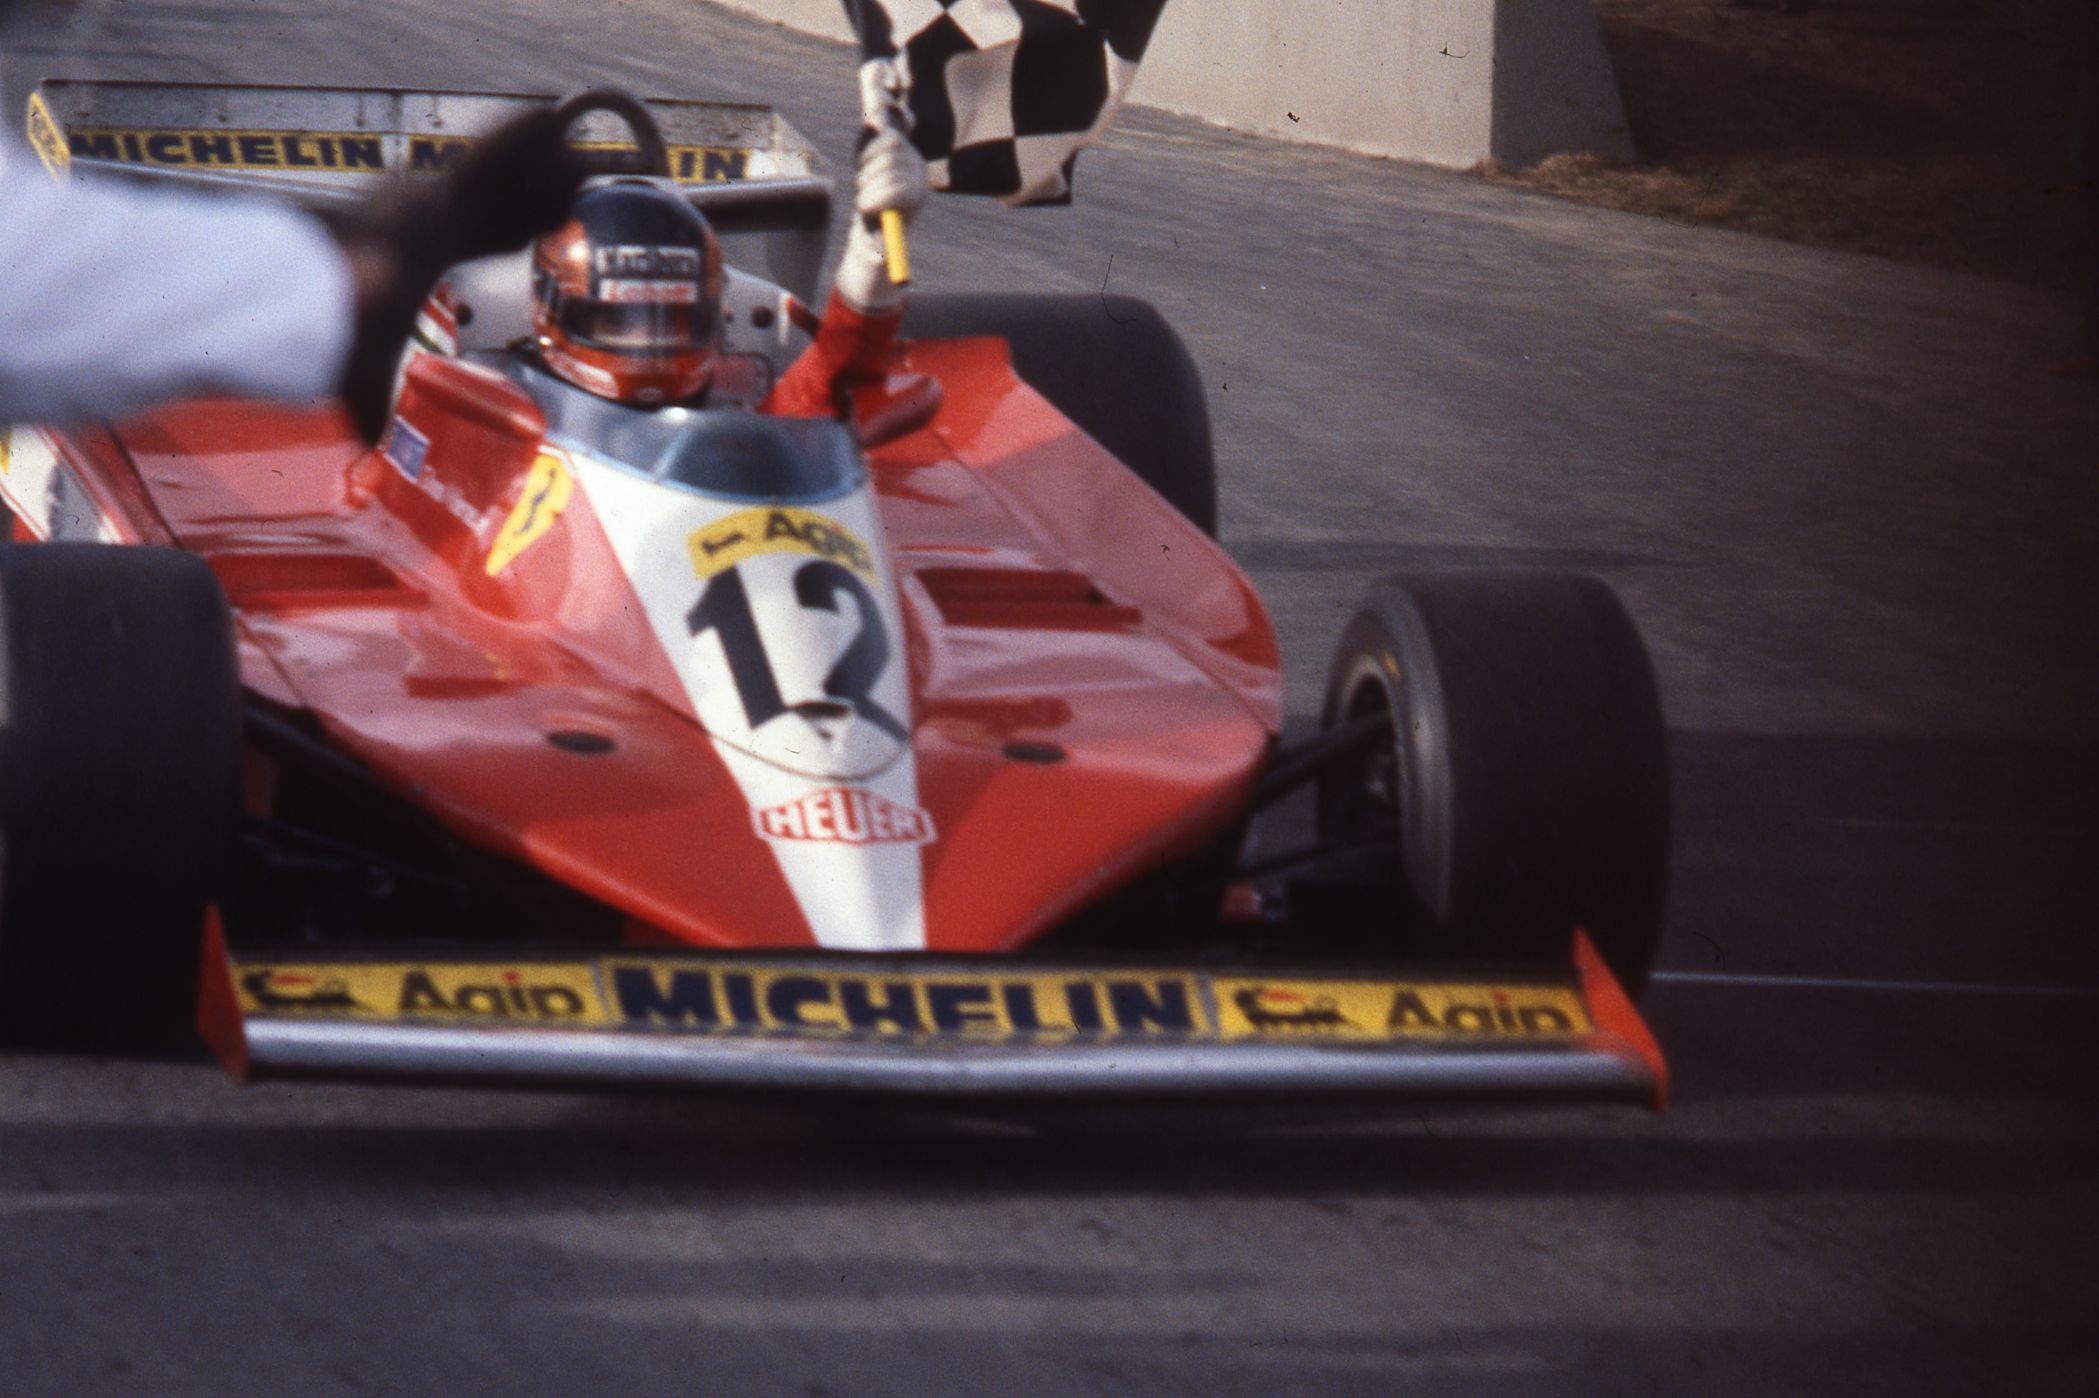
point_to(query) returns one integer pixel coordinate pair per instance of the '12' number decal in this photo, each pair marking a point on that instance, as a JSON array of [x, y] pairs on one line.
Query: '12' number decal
[[725, 609]]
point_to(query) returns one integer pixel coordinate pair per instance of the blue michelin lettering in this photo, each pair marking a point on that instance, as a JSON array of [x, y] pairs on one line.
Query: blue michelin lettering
[[1164, 1006], [957, 1007], [898, 1007], [643, 999], [1084, 1004], [1019, 998], [715, 999], [786, 997], [742, 995]]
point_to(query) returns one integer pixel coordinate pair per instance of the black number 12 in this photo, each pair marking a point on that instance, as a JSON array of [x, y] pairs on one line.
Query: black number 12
[[725, 609]]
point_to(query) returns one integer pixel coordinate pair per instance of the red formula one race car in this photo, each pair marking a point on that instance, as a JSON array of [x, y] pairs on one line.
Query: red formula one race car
[[560, 740]]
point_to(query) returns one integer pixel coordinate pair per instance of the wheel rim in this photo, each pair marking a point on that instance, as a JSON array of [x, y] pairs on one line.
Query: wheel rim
[[1361, 803]]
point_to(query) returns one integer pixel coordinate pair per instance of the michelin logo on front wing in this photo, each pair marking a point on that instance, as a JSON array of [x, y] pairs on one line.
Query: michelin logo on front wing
[[845, 816], [1016, 1002], [742, 999]]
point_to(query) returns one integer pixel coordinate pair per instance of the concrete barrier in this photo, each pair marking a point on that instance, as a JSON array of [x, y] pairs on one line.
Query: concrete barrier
[[1447, 82]]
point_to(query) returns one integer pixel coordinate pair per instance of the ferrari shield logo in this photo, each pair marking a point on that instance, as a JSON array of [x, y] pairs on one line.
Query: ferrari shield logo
[[548, 487]]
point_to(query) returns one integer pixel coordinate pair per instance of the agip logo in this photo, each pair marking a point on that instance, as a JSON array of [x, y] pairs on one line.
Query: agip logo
[[1391, 1011], [768, 529], [525, 993], [516, 993]]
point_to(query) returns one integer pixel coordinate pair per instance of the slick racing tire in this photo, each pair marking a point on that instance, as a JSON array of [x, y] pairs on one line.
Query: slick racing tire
[[1113, 366], [119, 754], [1524, 775]]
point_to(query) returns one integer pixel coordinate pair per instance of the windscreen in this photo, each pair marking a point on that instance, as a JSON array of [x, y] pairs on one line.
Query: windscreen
[[730, 453]]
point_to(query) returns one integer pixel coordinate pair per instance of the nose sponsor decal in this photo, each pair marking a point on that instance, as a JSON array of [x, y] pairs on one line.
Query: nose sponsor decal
[[845, 816], [777, 529], [783, 626], [781, 621]]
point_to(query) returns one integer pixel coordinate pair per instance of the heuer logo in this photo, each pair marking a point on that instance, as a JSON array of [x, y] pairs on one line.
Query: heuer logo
[[841, 815]]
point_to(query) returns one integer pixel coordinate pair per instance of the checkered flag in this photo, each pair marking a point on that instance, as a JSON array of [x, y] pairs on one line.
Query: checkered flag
[[1005, 93]]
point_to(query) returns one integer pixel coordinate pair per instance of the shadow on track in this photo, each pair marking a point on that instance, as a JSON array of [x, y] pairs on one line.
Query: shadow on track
[[725, 1152], [1958, 859]]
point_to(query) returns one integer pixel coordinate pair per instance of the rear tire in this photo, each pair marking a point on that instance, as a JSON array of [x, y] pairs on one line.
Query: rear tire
[[1113, 366], [119, 753], [1529, 780]]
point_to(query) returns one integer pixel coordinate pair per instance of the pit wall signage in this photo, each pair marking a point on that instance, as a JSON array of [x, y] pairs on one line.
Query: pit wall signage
[[345, 152], [661, 996]]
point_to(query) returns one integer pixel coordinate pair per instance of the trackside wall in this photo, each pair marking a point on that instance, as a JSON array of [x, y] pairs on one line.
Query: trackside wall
[[1447, 82]]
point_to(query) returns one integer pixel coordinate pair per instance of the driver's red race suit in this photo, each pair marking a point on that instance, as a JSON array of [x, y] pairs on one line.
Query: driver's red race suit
[[851, 346]]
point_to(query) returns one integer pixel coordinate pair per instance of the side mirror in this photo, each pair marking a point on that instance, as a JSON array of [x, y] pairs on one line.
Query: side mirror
[[459, 439], [470, 428], [471, 397]]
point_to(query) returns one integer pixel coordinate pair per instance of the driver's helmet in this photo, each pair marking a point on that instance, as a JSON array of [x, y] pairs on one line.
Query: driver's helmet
[[629, 294]]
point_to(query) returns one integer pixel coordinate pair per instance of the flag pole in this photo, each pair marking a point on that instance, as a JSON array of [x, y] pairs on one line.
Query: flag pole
[[895, 248]]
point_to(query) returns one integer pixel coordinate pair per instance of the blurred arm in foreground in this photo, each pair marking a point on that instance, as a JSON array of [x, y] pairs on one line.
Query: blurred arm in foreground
[[113, 298]]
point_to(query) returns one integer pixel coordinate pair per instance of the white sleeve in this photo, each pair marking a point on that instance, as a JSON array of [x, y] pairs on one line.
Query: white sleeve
[[112, 298]]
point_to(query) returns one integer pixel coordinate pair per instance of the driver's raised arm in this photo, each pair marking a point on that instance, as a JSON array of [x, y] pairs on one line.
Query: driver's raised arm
[[861, 320]]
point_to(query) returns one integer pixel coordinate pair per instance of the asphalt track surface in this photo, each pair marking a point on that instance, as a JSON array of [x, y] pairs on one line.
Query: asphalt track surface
[[1853, 513]]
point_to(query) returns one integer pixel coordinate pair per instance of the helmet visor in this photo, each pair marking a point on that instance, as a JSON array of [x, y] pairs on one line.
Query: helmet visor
[[640, 318]]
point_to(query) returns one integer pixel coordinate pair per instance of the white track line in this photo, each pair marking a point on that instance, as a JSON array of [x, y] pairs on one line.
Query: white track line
[[2064, 992]]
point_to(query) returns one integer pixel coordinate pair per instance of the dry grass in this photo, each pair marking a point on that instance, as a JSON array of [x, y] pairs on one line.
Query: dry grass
[[1933, 130]]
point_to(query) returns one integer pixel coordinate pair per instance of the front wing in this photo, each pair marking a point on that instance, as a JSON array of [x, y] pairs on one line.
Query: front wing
[[927, 1026]]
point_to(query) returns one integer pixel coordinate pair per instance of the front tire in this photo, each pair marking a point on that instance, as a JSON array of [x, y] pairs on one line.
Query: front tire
[[1525, 776], [118, 759]]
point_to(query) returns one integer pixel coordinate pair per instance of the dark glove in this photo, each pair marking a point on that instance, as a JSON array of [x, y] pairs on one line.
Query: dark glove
[[514, 184]]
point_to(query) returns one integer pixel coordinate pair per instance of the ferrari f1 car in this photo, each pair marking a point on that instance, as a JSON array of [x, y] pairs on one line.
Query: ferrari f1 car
[[557, 740]]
